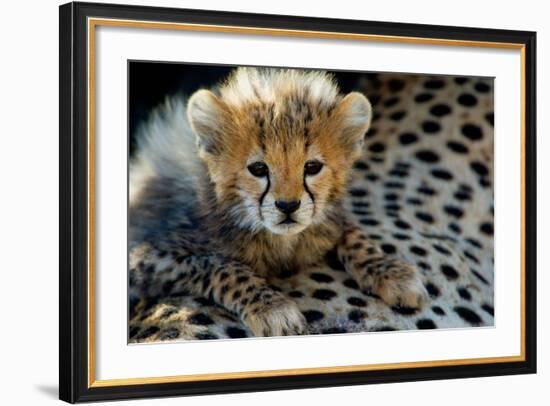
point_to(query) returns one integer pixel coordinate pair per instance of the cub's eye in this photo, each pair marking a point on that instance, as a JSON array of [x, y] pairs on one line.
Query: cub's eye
[[313, 167], [258, 169]]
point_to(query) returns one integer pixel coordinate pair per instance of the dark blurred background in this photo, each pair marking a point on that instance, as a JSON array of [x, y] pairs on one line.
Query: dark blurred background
[[151, 82]]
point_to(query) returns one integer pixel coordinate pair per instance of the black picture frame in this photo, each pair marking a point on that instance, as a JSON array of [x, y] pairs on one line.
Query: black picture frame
[[74, 200]]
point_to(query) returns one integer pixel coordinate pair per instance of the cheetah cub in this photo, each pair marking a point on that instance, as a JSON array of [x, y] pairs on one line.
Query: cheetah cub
[[245, 181]]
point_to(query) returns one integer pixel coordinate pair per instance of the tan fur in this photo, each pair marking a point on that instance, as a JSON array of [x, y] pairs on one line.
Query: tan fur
[[283, 119]]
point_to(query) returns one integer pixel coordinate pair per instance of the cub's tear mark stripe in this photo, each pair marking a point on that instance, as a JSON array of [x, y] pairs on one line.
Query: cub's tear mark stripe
[[311, 195], [262, 197]]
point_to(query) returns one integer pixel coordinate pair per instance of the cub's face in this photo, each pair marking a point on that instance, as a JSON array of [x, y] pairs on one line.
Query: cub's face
[[285, 188], [280, 166]]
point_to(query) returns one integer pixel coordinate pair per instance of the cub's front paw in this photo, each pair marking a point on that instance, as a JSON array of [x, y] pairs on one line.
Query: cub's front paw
[[278, 316], [396, 283]]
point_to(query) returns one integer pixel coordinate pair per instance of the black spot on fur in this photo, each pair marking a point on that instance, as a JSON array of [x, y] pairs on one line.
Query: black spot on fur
[[402, 224], [324, 294], [434, 84], [482, 87], [415, 249], [474, 243], [408, 138], [433, 290], [321, 277], [205, 336], [287, 273], [204, 301], [360, 165], [424, 265], [479, 168], [369, 222], [453, 211], [441, 249], [200, 319], [394, 185], [455, 228], [471, 256], [371, 132], [398, 173], [449, 271], [334, 330], [296, 294], [460, 80], [377, 147], [462, 196], [467, 99], [457, 147], [384, 328], [484, 182], [490, 117], [463, 293], [425, 324], [242, 279], [372, 177], [313, 315], [431, 127], [170, 334], [438, 310], [388, 248], [357, 192], [489, 309], [401, 237], [148, 332], [392, 101], [423, 97], [357, 301], [486, 228], [398, 115], [396, 85], [425, 217], [405, 311], [133, 331], [468, 315], [235, 332], [132, 304], [440, 110], [350, 283], [168, 312], [472, 132], [355, 316], [442, 174], [425, 190], [427, 156], [331, 258], [413, 201]]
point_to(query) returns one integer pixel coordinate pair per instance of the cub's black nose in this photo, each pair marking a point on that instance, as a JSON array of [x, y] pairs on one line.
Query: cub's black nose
[[288, 206]]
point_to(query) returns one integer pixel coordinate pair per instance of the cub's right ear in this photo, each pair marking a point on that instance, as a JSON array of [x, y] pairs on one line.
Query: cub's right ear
[[207, 115]]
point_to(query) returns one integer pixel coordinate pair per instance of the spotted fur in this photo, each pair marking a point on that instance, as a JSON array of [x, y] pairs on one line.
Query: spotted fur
[[282, 122]]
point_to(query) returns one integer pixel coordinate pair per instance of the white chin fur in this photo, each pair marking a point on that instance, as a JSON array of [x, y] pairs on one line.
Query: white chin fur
[[286, 229]]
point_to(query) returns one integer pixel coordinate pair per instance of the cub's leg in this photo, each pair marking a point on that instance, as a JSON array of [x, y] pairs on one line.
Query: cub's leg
[[265, 311], [394, 281]]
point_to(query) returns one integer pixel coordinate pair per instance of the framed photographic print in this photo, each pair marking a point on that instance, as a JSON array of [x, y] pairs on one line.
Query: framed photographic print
[[256, 202]]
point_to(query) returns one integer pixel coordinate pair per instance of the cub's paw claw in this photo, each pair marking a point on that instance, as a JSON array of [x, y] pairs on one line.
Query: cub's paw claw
[[398, 284], [279, 317]]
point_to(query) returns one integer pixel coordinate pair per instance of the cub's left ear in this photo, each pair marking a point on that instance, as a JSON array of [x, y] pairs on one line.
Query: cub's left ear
[[207, 115], [354, 114]]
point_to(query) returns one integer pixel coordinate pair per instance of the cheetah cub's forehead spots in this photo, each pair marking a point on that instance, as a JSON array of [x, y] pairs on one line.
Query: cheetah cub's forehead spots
[[278, 145]]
